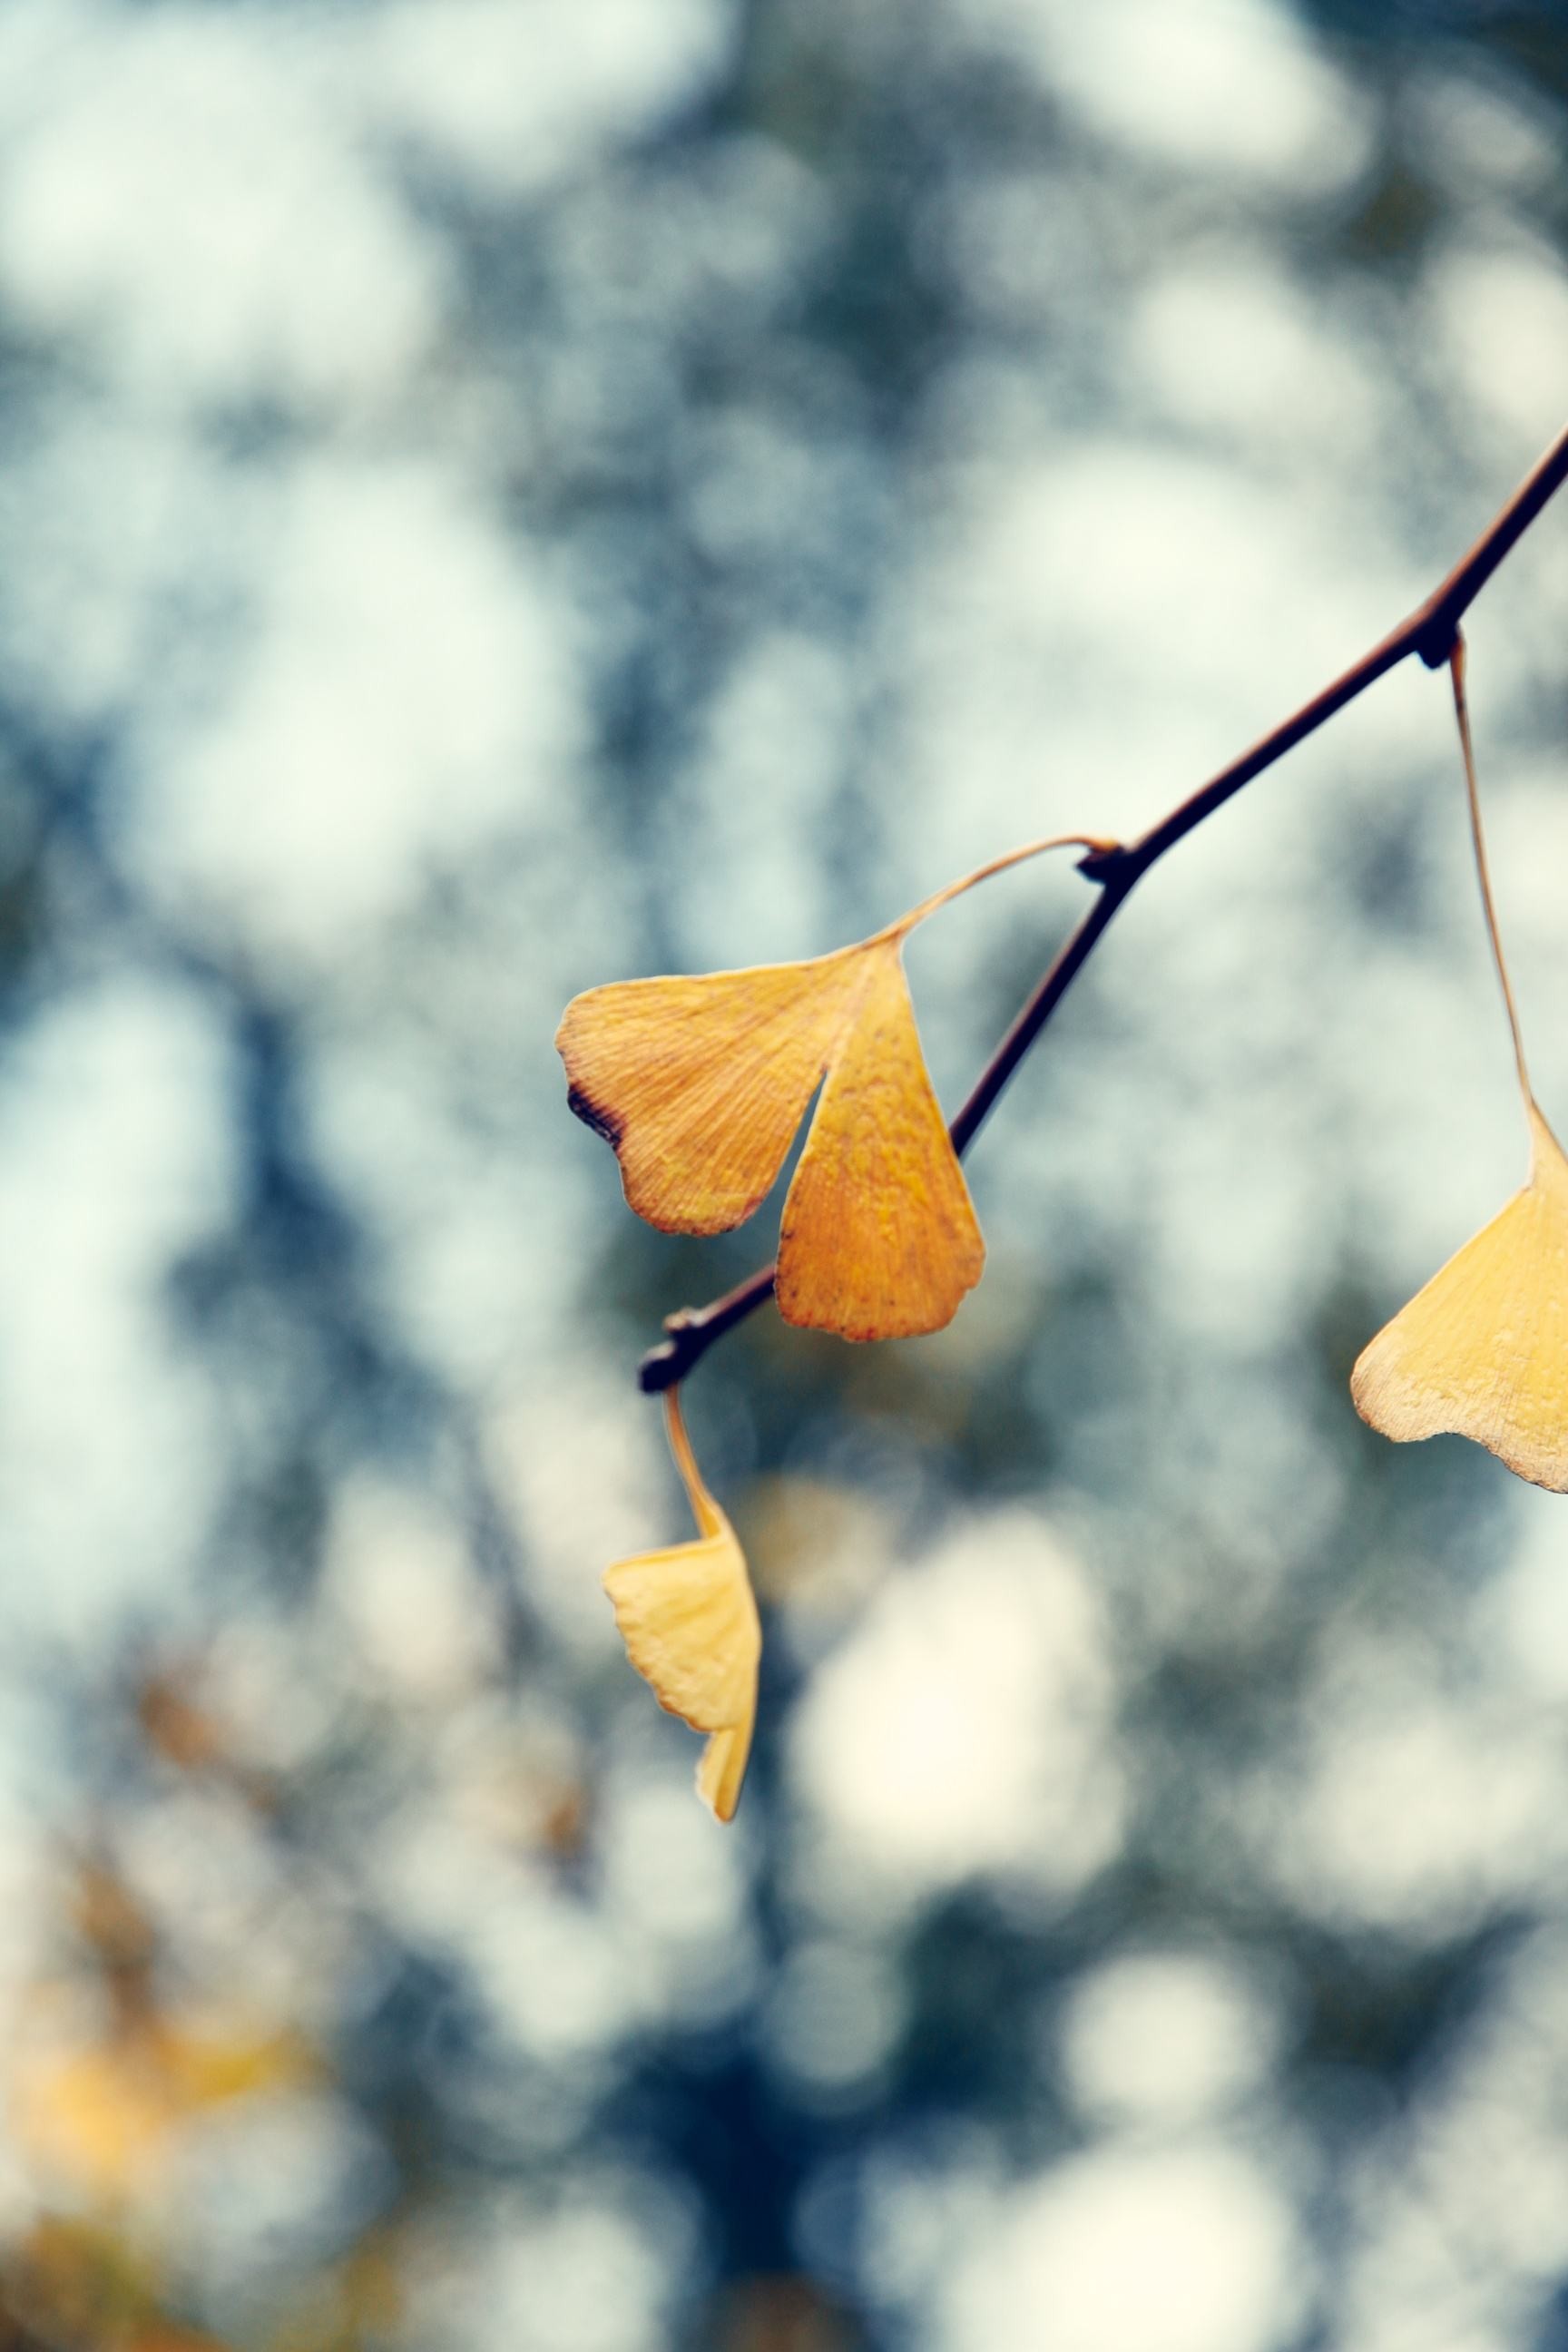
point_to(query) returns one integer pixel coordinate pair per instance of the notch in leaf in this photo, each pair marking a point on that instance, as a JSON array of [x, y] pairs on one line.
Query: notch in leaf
[[700, 1083]]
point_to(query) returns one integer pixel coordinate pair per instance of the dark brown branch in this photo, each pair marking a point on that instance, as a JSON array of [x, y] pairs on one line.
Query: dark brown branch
[[1430, 631]]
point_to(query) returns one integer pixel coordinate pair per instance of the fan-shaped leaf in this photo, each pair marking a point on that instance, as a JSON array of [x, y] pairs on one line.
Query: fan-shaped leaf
[[699, 1085], [690, 1624], [1483, 1348]]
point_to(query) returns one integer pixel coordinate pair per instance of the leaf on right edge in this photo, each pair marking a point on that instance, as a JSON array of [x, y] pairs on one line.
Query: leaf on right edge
[[1482, 1350]]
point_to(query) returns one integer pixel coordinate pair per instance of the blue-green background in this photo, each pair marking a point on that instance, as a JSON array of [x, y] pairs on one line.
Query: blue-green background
[[502, 495]]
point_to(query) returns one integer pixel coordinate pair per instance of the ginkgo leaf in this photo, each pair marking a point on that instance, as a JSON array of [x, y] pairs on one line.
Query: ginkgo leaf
[[880, 1238], [689, 1623], [699, 1085], [1483, 1349]]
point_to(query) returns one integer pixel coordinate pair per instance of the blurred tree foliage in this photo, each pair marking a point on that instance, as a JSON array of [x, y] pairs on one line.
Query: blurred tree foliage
[[371, 1985]]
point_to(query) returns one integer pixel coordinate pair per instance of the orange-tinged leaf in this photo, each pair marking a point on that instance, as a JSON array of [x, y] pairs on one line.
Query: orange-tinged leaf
[[689, 1623], [699, 1085], [1483, 1349], [880, 1238]]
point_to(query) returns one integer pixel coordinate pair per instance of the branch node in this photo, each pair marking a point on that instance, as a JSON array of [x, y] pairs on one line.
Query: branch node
[[660, 1368], [1103, 863], [1437, 639]]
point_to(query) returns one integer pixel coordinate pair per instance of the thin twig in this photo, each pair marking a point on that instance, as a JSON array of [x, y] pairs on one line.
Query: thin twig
[[1431, 631]]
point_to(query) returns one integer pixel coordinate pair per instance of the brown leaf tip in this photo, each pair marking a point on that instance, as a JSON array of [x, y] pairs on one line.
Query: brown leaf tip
[[602, 1122]]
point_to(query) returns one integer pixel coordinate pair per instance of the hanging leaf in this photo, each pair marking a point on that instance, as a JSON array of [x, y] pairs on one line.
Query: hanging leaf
[[1483, 1348], [689, 1623], [699, 1085]]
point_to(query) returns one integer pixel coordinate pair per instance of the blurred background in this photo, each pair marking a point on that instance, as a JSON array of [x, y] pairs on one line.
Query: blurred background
[[503, 495]]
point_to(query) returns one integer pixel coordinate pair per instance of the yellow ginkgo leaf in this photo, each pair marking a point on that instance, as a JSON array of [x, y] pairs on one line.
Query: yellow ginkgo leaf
[[689, 1623], [1483, 1348], [880, 1238], [700, 1083]]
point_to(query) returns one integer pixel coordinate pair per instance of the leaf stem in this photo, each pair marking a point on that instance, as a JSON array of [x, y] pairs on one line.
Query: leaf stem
[[1097, 844], [1457, 662], [681, 1444]]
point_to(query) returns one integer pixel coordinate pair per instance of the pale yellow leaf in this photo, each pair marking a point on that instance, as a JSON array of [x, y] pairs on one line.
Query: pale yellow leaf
[[689, 1623], [1483, 1350]]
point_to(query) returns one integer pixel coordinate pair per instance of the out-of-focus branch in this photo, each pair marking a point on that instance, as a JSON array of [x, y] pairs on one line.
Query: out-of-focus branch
[[1430, 631]]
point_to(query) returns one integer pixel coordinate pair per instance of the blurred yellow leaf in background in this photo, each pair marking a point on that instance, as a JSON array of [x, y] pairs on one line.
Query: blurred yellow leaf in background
[[73, 2282], [102, 2113]]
